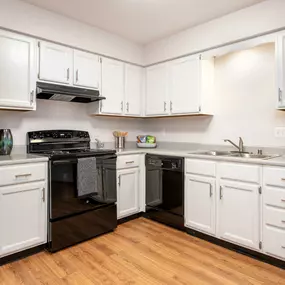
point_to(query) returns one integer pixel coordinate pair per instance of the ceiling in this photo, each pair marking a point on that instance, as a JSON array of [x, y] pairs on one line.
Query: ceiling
[[143, 21]]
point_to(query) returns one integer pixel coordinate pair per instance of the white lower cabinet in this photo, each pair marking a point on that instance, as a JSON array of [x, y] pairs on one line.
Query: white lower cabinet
[[130, 185], [22, 217], [238, 213], [200, 203], [23, 214], [273, 208], [128, 192]]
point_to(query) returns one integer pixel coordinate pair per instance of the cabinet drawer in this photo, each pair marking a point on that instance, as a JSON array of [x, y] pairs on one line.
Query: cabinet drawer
[[200, 167], [274, 217], [274, 176], [128, 161], [239, 172], [274, 197], [274, 241], [21, 173]]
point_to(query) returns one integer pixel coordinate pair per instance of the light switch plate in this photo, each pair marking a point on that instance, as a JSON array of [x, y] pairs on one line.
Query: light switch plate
[[280, 132]]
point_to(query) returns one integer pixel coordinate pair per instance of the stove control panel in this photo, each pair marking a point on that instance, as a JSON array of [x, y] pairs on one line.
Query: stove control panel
[[54, 135]]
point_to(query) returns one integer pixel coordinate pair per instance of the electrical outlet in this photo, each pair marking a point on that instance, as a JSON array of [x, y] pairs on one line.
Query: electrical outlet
[[280, 132]]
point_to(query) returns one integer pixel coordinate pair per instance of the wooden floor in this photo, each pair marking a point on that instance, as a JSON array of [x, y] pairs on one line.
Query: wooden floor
[[141, 252]]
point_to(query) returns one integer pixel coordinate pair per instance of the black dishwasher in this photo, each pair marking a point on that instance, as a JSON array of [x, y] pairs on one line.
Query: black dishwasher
[[165, 190]]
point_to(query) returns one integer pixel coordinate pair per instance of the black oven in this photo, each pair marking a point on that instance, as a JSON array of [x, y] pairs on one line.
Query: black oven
[[73, 219]]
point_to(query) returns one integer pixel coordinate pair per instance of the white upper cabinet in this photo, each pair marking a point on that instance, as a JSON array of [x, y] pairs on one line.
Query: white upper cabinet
[[17, 72], [184, 87], [238, 213], [200, 193], [133, 88], [113, 87], [157, 90], [55, 63], [280, 61], [87, 70]]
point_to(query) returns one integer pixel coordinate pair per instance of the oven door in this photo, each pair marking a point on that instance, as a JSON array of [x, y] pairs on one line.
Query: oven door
[[64, 200]]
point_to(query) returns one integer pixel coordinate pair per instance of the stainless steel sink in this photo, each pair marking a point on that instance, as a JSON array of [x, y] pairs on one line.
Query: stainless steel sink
[[251, 155], [216, 153], [236, 154]]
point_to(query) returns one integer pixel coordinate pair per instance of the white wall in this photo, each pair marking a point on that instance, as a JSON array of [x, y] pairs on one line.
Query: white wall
[[244, 104], [29, 19], [65, 115], [263, 17]]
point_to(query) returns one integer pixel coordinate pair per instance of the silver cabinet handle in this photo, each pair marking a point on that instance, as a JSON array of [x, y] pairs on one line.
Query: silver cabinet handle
[[122, 106], [23, 175], [67, 73], [128, 106], [32, 97], [119, 180], [129, 162], [164, 106], [76, 75], [44, 194], [280, 95], [170, 106], [221, 192]]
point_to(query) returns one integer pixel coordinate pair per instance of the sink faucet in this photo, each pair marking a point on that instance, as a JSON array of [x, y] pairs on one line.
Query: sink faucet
[[240, 147]]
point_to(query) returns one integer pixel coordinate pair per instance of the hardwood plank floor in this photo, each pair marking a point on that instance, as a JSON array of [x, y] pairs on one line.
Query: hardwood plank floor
[[141, 252]]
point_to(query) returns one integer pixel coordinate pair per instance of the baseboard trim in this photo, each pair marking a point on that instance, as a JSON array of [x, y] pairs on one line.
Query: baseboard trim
[[251, 253], [23, 254], [130, 218]]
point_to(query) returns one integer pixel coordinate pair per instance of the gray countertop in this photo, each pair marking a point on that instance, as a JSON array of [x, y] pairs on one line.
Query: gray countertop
[[185, 150]]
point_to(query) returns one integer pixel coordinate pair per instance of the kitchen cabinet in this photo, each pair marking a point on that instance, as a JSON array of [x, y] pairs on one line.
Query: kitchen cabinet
[[238, 213], [113, 87], [23, 215], [200, 195], [17, 72], [87, 70], [133, 88], [128, 192], [55, 63], [280, 62], [156, 101], [273, 208], [184, 85]]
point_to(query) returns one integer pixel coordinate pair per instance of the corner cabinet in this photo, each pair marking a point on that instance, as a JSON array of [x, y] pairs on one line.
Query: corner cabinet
[[179, 87], [17, 72]]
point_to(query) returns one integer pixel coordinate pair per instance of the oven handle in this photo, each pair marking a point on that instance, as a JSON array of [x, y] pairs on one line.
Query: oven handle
[[64, 161]]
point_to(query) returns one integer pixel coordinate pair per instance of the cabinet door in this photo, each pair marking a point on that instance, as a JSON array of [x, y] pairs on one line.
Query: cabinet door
[[133, 85], [55, 63], [238, 213], [184, 77], [280, 61], [156, 90], [22, 217], [17, 71], [128, 192], [113, 87], [200, 203], [87, 70]]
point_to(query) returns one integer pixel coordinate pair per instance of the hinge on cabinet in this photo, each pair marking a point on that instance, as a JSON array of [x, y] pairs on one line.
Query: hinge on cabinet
[[39, 44], [260, 190], [200, 56], [100, 59], [200, 108], [260, 245]]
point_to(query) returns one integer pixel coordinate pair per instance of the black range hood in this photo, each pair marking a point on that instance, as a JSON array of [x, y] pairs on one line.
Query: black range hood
[[48, 91]]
